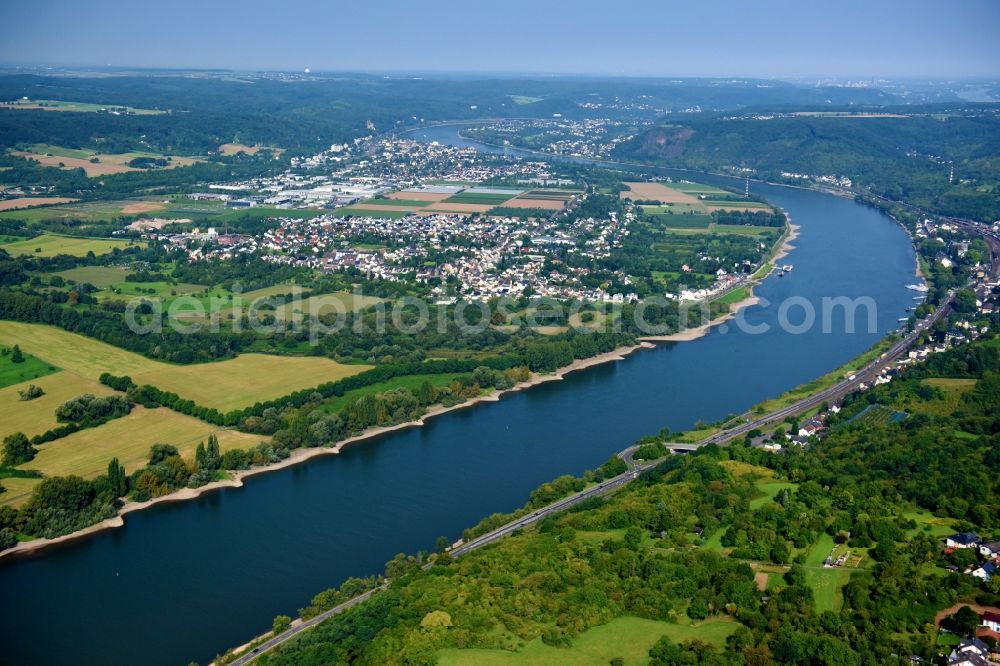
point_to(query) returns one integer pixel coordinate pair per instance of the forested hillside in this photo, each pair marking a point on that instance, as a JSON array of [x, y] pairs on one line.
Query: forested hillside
[[903, 158], [718, 557]]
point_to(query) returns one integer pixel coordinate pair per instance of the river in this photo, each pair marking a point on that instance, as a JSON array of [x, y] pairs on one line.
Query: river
[[185, 581]]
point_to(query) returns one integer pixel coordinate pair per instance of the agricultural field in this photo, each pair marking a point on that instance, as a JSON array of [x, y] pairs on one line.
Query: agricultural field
[[21, 203], [542, 199], [487, 198], [94, 163], [323, 304], [398, 202], [76, 107], [90, 211], [875, 415], [87, 452], [224, 385], [18, 490], [101, 277], [49, 245], [628, 638], [33, 417], [30, 368]]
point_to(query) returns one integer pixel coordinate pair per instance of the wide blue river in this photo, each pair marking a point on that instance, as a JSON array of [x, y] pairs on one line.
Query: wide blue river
[[185, 581]]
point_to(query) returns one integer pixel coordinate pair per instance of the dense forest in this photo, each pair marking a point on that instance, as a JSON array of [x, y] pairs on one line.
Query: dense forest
[[687, 543], [902, 158]]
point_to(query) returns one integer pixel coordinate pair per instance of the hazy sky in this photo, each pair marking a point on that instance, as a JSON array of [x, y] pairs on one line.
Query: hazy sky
[[767, 38]]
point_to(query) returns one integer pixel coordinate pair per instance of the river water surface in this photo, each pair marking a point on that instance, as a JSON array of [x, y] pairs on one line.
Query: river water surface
[[186, 581]]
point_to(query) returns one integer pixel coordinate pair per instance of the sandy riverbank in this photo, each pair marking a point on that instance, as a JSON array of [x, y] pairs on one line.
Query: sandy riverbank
[[301, 455], [694, 333]]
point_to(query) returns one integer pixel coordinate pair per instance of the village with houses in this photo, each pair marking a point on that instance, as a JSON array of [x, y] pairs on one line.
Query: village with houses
[[450, 222]]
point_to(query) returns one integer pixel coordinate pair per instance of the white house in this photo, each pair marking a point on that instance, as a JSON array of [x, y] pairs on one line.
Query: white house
[[990, 550], [985, 572], [962, 540], [991, 621]]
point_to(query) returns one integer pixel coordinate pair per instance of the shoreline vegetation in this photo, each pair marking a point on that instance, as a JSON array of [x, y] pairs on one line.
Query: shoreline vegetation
[[302, 455], [236, 477]]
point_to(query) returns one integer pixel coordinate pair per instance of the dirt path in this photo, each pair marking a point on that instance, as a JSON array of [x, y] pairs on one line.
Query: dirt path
[[952, 609]]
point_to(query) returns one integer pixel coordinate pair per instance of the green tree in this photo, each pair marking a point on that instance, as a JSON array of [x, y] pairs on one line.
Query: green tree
[[281, 622], [160, 452], [17, 356], [213, 458], [116, 478], [17, 449], [200, 456]]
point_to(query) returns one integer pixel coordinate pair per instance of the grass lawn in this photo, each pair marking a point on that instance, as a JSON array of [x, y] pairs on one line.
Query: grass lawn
[[30, 368], [714, 542], [88, 451], [49, 245], [101, 277], [90, 211], [734, 296], [627, 637], [770, 490], [827, 583], [953, 390], [33, 417], [225, 385], [18, 490], [827, 586], [928, 523], [742, 229], [323, 304]]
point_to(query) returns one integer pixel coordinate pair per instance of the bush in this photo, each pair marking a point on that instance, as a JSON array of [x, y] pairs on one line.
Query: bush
[[17, 450]]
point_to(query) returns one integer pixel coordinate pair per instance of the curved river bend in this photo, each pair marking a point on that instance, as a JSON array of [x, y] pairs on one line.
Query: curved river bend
[[186, 581]]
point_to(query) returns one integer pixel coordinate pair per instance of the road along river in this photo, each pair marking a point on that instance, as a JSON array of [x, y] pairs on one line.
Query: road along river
[[185, 581]]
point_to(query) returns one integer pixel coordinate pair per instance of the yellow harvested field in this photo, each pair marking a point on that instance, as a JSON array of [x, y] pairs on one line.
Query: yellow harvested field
[[246, 379], [18, 491], [442, 207], [224, 385], [657, 192], [384, 207], [236, 148], [78, 354], [419, 196], [87, 452], [145, 207], [33, 417], [547, 204], [49, 245], [28, 202], [105, 164]]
